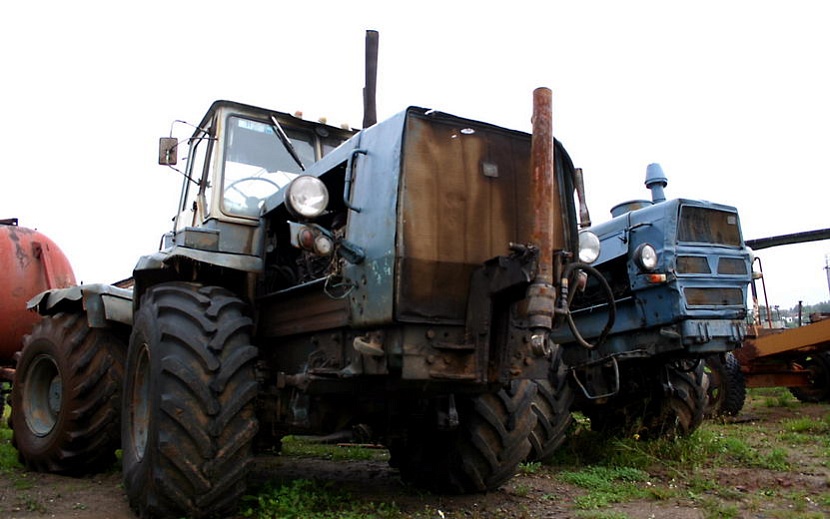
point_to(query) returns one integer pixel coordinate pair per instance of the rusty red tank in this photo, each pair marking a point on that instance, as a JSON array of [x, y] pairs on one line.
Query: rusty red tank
[[29, 264]]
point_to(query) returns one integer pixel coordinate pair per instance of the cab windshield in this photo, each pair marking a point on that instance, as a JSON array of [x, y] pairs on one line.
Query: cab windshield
[[257, 164]]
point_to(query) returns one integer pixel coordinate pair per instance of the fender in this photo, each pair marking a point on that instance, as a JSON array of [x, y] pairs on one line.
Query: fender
[[103, 304]]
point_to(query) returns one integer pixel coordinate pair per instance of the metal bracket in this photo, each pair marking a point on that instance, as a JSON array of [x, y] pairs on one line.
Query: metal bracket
[[606, 395]]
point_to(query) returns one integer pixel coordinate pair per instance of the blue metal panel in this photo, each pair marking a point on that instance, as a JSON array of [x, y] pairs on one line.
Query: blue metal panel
[[372, 226]]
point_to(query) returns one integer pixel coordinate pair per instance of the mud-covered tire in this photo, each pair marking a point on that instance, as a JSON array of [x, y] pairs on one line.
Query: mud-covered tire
[[66, 397], [674, 407], [188, 424], [552, 407], [481, 453], [680, 411], [726, 393], [818, 364]]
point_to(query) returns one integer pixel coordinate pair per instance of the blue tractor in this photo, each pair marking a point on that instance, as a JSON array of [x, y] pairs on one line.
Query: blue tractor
[[678, 272]]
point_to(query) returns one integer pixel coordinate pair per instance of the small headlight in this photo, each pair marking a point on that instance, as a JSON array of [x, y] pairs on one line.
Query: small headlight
[[589, 247], [323, 245], [306, 197], [646, 257]]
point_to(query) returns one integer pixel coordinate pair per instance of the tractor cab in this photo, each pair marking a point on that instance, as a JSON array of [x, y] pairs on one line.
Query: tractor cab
[[238, 156]]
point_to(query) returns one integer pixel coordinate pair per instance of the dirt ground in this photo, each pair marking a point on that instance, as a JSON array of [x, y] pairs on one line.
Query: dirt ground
[[743, 492]]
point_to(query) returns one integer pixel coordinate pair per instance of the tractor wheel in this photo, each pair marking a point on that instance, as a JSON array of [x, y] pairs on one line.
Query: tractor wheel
[[66, 397], [188, 424], [673, 407], [818, 364], [727, 388], [480, 453], [678, 411], [552, 407]]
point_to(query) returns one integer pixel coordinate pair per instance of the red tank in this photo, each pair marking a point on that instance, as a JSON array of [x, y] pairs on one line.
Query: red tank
[[29, 264]]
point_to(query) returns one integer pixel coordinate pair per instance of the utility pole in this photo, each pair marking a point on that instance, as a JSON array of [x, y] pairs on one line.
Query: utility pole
[[827, 270]]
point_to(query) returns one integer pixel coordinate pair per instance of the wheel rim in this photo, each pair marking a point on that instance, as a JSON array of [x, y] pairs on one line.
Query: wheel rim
[[140, 400], [714, 393], [43, 394]]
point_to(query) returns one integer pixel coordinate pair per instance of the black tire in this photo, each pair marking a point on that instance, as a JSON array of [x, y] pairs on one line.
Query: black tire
[[552, 407], [680, 411], [674, 407], [726, 393], [818, 364], [188, 424], [481, 453], [66, 397]]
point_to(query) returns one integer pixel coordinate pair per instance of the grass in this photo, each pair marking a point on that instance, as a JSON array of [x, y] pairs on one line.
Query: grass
[[301, 447], [607, 485], [303, 499], [8, 454], [708, 468]]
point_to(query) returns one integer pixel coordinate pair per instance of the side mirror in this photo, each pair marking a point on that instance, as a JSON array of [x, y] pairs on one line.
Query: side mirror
[[168, 151]]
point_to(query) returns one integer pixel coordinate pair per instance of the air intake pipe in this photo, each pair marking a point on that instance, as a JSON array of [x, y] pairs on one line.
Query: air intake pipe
[[655, 181]]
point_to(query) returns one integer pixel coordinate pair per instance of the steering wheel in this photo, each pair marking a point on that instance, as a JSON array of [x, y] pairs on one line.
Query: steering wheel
[[250, 204], [570, 273]]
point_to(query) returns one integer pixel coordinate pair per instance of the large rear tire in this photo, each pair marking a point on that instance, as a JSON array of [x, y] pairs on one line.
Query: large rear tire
[[188, 424], [66, 397], [552, 407], [481, 453]]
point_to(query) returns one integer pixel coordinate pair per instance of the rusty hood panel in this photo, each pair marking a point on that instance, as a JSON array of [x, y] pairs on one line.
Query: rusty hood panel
[[463, 200]]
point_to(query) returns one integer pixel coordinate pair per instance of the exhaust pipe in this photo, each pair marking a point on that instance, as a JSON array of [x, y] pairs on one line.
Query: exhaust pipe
[[547, 233], [370, 113]]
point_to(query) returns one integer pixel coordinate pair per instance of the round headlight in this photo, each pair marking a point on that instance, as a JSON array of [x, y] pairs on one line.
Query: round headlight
[[646, 257], [589, 247], [306, 197]]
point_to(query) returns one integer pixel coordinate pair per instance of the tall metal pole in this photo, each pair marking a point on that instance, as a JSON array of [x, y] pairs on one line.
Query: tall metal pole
[[827, 271]]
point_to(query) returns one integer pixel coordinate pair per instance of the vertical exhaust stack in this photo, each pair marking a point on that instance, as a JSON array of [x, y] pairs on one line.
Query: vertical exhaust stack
[[370, 113], [547, 232]]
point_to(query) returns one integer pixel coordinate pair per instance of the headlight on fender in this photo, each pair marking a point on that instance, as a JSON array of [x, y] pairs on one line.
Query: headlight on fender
[[646, 257], [589, 247], [306, 197]]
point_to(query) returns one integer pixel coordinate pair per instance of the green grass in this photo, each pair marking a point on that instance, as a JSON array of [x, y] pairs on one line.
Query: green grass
[[301, 447], [303, 499], [8, 454], [698, 469], [607, 485]]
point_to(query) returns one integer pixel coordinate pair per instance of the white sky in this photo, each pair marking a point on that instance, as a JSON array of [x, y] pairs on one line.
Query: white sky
[[732, 98]]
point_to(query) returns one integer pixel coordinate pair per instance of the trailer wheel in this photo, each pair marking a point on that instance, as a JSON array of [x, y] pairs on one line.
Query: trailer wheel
[[818, 364], [727, 388], [482, 452], [66, 397], [552, 407], [188, 424]]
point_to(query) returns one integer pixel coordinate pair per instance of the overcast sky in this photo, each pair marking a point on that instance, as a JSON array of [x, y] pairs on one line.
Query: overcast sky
[[732, 98]]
